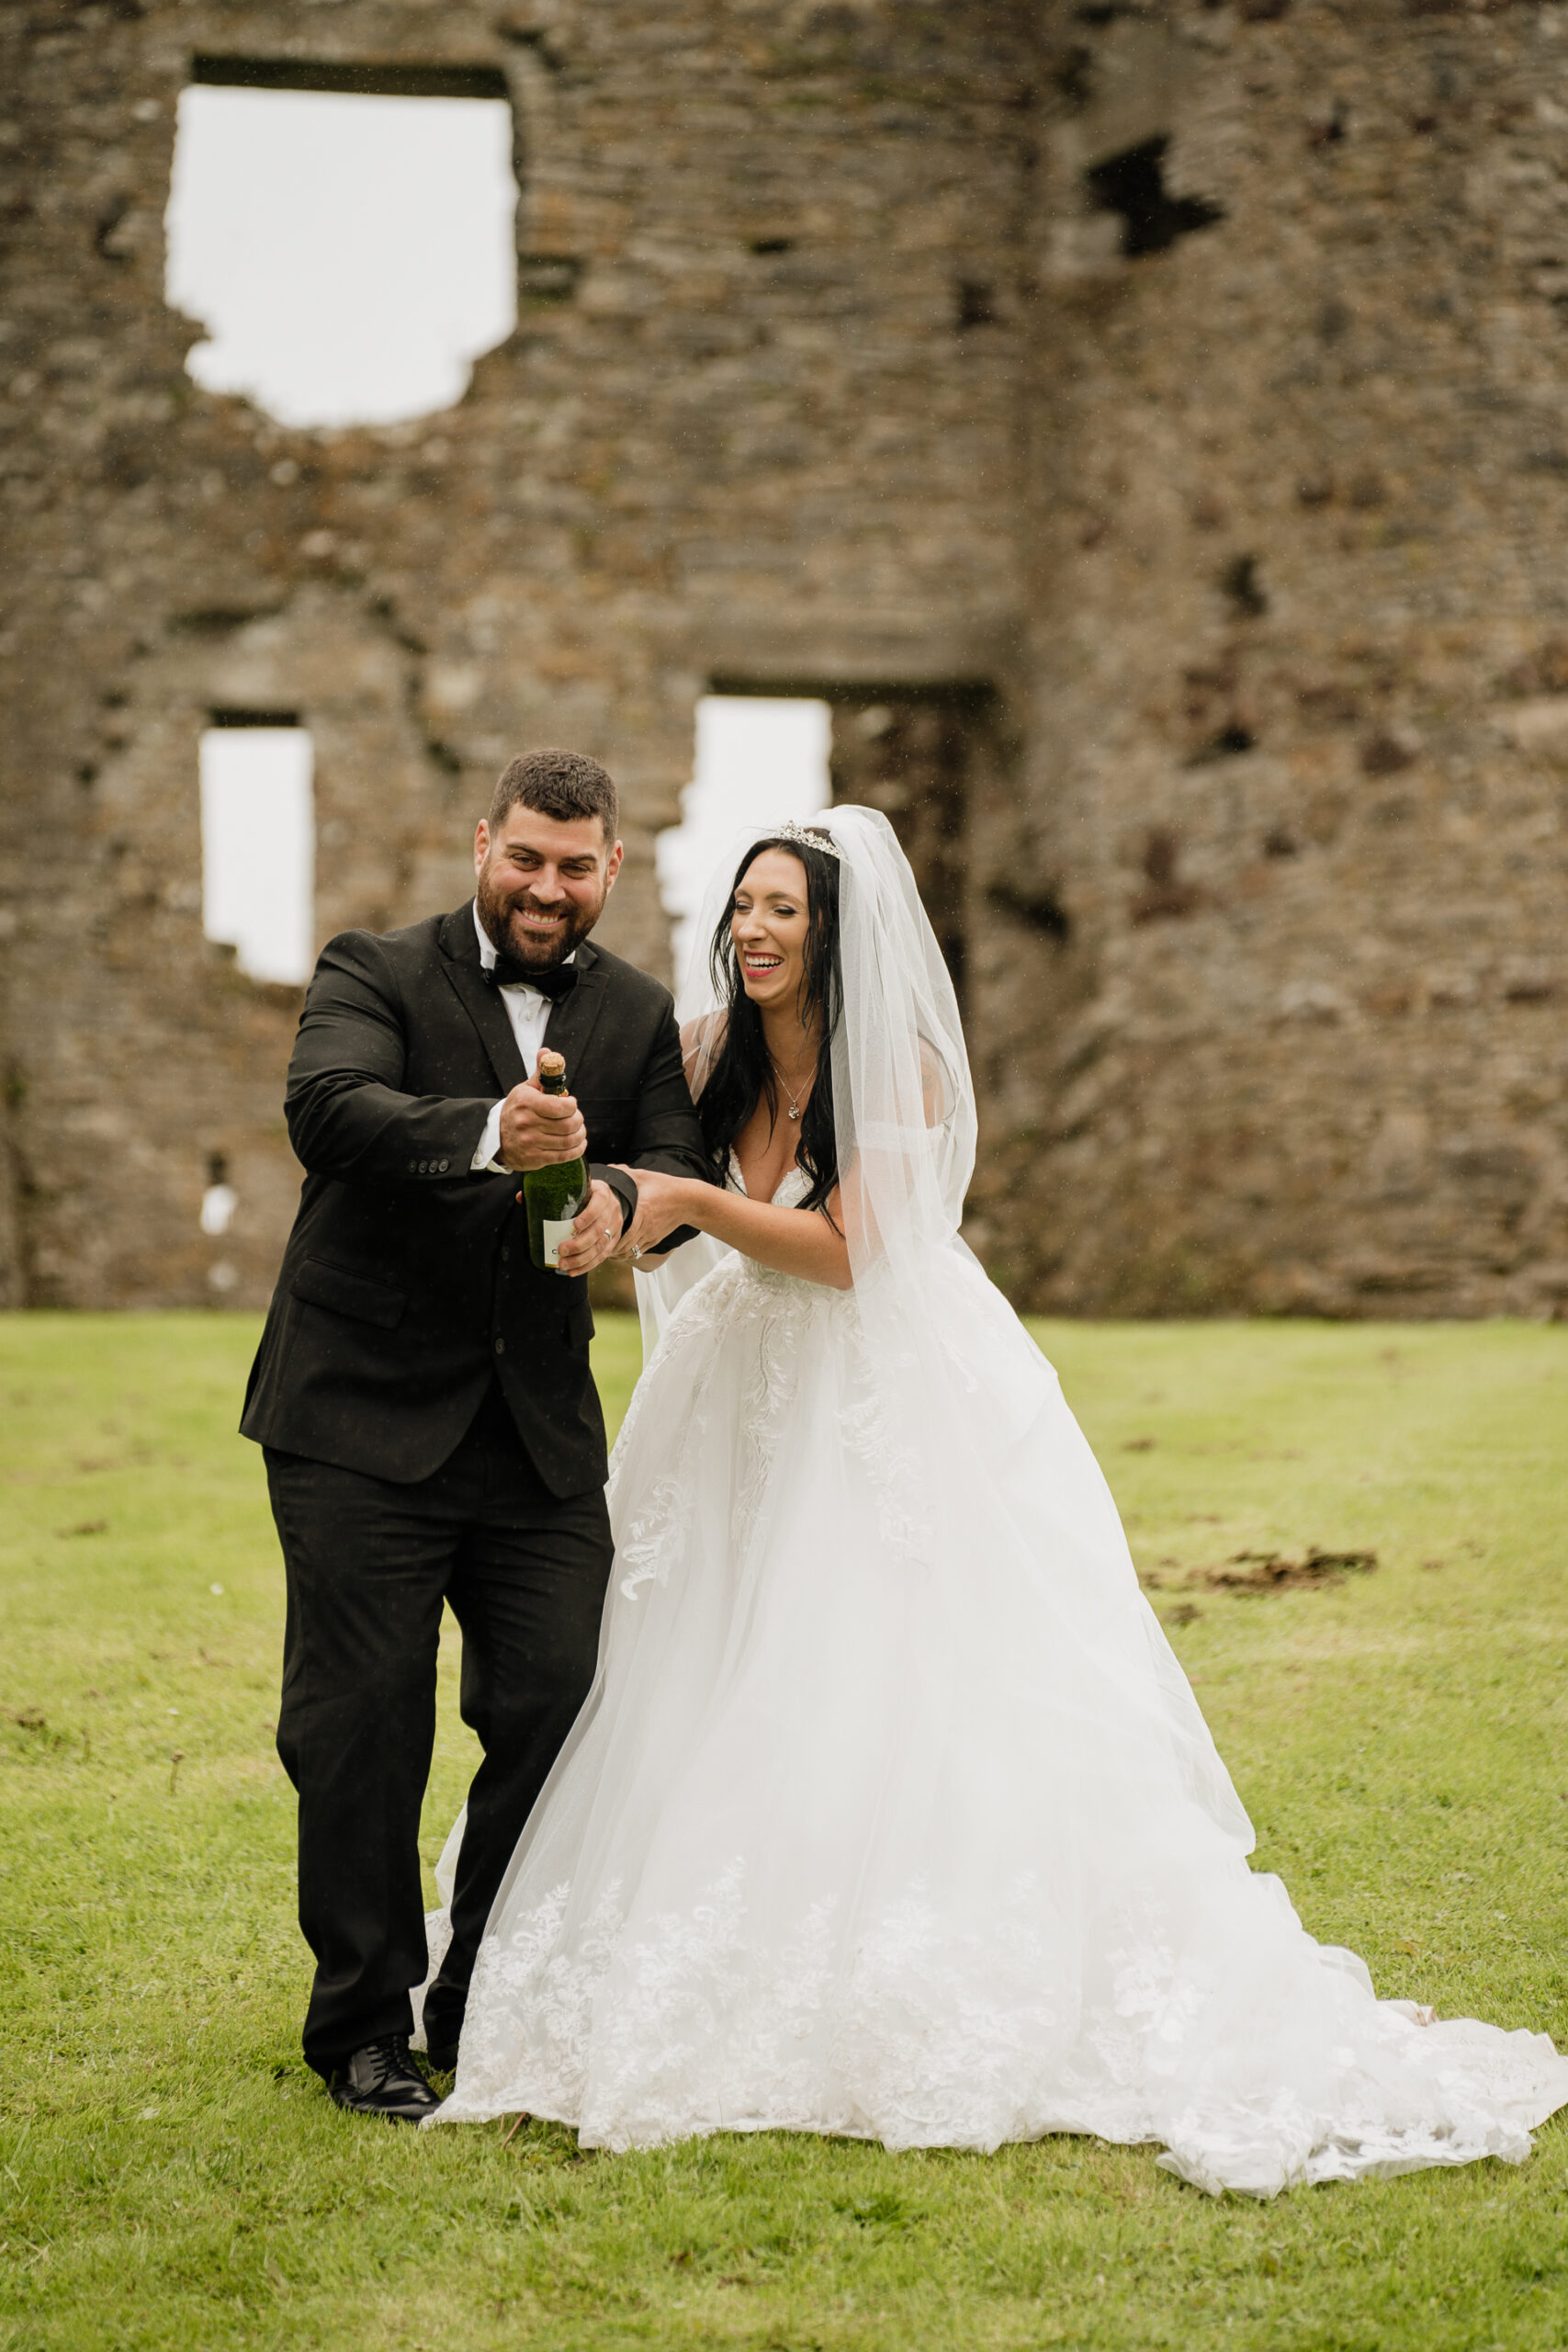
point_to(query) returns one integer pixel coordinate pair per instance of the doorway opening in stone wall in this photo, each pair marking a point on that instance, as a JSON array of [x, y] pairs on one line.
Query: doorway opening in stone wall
[[939, 760], [757, 758], [346, 233], [258, 842], [928, 756]]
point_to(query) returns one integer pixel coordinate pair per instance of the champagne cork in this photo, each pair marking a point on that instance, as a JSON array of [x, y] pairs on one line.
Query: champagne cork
[[551, 1064]]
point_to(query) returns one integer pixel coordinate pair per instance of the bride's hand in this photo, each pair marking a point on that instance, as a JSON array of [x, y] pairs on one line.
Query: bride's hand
[[595, 1231], [661, 1205]]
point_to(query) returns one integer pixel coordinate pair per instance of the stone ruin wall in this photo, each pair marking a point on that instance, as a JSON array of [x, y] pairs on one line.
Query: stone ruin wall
[[1300, 714], [1197, 612]]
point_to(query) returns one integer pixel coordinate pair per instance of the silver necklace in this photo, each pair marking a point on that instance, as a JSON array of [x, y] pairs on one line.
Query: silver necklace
[[794, 1099]]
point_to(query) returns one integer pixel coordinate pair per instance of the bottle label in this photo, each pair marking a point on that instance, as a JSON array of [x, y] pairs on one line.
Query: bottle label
[[553, 1231]]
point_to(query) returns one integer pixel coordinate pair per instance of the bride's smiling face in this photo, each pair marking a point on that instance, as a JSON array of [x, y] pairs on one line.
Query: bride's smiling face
[[769, 924]]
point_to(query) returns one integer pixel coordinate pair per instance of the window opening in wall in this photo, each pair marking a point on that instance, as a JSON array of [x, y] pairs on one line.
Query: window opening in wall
[[976, 305], [349, 244], [219, 1199], [258, 842], [759, 758], [1133, 183]]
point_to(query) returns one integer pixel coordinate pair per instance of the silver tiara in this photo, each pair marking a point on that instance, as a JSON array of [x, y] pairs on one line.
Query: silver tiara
[[790, 831]]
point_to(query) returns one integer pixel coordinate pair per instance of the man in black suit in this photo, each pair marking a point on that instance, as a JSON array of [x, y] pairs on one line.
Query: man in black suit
[[423, 1396]]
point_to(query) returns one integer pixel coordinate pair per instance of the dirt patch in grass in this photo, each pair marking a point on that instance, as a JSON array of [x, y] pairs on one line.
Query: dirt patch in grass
[[1255, 1572], [1271, 1572]]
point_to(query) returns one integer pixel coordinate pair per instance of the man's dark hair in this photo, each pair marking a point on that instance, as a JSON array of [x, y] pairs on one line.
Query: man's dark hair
[[563, 784]]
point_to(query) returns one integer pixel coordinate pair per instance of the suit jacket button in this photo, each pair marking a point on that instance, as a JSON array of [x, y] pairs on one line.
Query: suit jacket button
[[442, 1166], [506, 1257], [414, 1168], [500, 1347]]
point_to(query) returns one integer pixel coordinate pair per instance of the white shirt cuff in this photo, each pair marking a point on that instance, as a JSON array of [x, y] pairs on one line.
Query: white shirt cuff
[[486, 1150]]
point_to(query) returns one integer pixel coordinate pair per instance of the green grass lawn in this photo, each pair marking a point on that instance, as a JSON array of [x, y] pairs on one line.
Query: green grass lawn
[[173, 2177]]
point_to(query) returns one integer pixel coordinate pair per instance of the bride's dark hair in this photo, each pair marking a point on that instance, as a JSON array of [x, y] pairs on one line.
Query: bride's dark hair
[[743, 1074]]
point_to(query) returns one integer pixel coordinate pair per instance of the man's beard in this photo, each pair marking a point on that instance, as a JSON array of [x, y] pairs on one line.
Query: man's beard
[[496, 908]]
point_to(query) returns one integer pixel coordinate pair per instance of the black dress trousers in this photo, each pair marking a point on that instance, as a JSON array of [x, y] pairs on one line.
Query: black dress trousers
[[369, 1564]]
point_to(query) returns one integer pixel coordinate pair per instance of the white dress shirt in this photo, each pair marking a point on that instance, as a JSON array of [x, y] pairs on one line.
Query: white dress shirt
[[528, 1010]]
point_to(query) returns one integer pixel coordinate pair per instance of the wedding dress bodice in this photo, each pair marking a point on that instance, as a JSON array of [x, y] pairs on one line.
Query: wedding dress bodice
[[792, 1188], [792, 1185]]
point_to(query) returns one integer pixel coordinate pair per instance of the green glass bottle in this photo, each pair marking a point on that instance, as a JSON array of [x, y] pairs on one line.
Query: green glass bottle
[[553, 1196]]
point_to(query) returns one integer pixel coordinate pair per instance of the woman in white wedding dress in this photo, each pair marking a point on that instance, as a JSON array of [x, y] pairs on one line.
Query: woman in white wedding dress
[[891, 1813]]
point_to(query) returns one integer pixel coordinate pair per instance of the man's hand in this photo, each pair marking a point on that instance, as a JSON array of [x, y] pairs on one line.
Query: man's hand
[[539, 1130], [662, 1206], [596, 1229]]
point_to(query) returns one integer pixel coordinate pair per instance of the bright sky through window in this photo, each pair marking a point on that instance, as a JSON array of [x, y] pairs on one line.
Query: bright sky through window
[[760, 758], [348, 255], [258, 848]]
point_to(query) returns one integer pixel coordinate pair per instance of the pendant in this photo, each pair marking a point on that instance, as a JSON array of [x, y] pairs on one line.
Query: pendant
[[793, 1111]]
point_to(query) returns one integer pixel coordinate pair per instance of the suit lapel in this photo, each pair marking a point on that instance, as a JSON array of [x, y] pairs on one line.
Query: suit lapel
[[573, 1017], [460, 962]]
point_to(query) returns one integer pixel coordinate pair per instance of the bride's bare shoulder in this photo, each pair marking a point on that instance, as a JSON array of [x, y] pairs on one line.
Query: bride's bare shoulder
[[702, 1041]]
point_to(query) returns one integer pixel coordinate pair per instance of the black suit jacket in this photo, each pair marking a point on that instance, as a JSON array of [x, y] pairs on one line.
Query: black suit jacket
[[407, 1280]]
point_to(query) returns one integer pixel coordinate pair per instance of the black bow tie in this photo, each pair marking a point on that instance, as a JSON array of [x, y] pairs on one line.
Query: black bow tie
[[506, 973]]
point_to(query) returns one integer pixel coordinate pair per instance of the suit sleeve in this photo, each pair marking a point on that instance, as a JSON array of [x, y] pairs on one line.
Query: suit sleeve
[[665, 1131], [347, 1115]]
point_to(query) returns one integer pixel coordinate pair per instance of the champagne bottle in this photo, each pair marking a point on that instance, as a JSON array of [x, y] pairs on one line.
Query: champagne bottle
[[553, 1196]]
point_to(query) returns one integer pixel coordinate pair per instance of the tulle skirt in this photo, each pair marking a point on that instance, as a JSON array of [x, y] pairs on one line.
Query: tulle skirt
[[891, 1813]]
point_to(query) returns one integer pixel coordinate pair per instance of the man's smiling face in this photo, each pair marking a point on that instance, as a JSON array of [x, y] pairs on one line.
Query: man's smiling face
[[542, 883]]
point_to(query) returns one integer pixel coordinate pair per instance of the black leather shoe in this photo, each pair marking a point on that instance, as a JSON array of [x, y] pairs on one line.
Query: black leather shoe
[[381, 2079], [443, 2056]]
